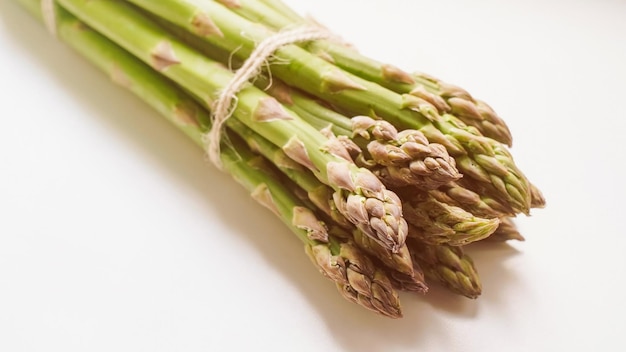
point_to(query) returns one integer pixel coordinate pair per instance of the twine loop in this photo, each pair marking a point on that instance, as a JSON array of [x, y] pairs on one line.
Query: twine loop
[[225, 105]]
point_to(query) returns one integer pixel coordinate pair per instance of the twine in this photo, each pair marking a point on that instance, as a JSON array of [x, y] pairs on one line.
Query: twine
[[224, 106], [49, 16]]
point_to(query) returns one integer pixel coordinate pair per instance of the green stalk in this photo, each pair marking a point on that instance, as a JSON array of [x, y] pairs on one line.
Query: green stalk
[[478, 157], [359, 194], [445, 97], [356, 276]]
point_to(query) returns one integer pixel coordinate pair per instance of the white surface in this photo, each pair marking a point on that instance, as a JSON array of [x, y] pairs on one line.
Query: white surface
[[116, 234]]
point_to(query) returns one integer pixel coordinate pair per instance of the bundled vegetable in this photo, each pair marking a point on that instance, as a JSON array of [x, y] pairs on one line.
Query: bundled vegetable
[[383, 175]]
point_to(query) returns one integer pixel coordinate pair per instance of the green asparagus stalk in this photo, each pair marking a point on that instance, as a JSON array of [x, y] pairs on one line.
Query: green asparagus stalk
[[444, 97], [478, 157], [359, 195], [353, 272], [448, 266]]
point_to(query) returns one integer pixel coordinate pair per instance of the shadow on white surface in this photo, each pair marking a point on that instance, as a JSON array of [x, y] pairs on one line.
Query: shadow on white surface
[[352, 327]]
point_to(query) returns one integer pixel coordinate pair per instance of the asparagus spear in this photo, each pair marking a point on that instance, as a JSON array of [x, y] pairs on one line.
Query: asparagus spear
[[448, 266], [478, 157], [359, 195], [446, 98], [352, 271]]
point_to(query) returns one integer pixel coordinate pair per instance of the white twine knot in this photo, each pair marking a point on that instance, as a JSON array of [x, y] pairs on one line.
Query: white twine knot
[[49, 16], [222, 109]]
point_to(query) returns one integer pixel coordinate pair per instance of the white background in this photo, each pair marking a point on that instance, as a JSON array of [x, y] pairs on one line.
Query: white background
[[117, 235]]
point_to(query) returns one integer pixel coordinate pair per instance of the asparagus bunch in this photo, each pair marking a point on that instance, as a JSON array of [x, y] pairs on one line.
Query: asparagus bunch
[[383, 176]]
